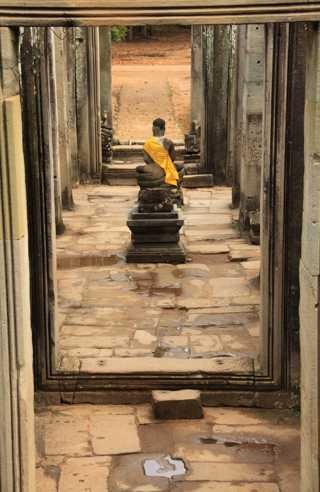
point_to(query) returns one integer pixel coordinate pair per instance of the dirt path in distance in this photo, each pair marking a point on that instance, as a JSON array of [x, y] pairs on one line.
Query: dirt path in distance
[[151, 78]]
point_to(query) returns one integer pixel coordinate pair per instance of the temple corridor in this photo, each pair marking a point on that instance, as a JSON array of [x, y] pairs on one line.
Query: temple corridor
[[119, 316]]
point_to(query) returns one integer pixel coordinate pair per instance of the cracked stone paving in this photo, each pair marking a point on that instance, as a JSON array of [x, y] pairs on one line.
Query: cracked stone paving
[[122, 317], [96, 448]]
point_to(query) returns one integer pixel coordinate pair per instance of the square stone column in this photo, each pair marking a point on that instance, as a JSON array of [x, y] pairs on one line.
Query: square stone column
[[251, 99], [216, 44], [64, 104], [196, 74], [17, 441], [105, 49], [310, 273], [88, 103]]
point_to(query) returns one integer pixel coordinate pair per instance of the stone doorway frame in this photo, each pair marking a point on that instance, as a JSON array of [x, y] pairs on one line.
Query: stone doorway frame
[[252, 388]]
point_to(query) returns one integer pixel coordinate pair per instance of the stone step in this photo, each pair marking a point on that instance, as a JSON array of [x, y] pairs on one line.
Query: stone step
[[121, 151], [172, 405], [198, 180], [119, 174]]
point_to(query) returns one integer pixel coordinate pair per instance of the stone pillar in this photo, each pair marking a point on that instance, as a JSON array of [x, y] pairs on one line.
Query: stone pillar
[[310, 274], [232, 175], [295, 165], [17, 445], [38, 133], [63, 99], [88, 103], [55, 130], [235, 146], [71, 103], [196, 74], [216, 43], [251, 100], [106, 74]]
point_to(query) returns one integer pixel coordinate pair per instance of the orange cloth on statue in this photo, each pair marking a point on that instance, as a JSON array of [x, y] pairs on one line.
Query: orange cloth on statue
[[160, 156]]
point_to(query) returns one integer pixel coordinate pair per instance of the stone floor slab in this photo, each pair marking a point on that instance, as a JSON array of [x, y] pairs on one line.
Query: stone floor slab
[[85, 475], [96, 285], [115, 435]]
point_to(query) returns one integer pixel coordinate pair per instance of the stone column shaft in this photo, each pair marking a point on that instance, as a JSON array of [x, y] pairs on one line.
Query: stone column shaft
[[251, 99], [196, 74], [55, 131], [63, 95], [17, 442], [106, 73], [71, 103], [310, 273], [216, 43], [88, 103]]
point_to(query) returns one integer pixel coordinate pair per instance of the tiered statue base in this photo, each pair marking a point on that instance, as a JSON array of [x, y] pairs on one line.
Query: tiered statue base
[[155, 237]]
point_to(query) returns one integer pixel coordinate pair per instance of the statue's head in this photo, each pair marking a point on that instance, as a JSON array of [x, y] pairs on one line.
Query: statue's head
[[158, 127]]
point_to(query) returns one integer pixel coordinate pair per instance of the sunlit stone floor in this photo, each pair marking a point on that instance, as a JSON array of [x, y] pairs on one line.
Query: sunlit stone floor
[[115, 316], [96, 448]]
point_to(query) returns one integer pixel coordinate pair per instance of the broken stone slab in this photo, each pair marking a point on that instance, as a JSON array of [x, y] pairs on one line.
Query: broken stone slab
[[209, 235], [193, 270], [241, 254], [198, 180], [214, 248], [182, 404]]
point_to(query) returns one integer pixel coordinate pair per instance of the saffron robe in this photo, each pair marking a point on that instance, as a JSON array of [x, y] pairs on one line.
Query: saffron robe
[[154, 148]]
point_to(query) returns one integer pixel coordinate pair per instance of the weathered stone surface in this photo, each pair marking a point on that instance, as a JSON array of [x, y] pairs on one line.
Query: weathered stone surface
[[198, 180], [115, 435], [231, 449], [144, 338], [184, 404], [46, 480], [204, 343], [225, 365], [85, 475], [226, 287], [207, 248], [127, 475], [165, 303], [156, 253], [67, 435], [227, 487], [156, 438], [211, 235], [194, 270], [223, 472]]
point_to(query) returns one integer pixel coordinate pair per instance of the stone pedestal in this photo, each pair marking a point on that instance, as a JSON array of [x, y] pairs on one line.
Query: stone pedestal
[[155, 227]]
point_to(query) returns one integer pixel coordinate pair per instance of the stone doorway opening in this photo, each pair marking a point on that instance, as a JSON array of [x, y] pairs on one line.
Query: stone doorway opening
[[162, 323], [198, 316]]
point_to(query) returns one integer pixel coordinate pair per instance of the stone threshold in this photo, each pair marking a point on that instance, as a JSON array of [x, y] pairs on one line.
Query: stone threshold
[[152, 365]]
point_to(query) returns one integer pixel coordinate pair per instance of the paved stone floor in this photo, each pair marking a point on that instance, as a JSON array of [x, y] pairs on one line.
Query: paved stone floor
[[83, 448], [157, 317]]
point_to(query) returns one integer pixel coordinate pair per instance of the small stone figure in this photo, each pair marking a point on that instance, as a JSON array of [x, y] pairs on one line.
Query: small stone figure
[[192, 139], [106, 139]]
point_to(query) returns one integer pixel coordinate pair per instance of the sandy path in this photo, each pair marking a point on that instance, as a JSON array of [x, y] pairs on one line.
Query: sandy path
[[143, 93]]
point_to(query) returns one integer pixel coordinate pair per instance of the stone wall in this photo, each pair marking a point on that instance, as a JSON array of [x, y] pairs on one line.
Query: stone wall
[[310, 274], [17, 453]]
